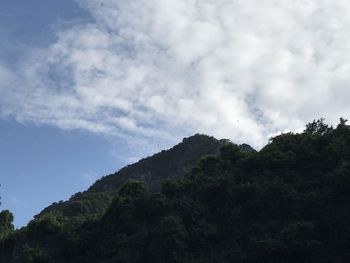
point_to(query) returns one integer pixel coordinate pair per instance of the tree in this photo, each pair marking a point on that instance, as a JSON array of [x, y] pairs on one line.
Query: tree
[[318, 127], [6, 223], [173, 239]]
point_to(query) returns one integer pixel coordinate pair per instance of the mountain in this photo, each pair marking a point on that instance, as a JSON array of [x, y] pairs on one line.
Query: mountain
[[173, 163], [289, 202]]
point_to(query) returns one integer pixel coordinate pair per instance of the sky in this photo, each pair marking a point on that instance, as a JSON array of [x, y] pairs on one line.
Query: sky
[[87, 86]]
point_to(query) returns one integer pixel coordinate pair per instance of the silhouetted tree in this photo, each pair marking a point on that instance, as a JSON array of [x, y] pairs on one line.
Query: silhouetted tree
[[6, 223]]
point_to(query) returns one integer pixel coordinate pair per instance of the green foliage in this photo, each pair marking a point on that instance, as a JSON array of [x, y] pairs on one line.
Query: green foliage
[[80, 207], [46, 225], [174, 239], [288, 203], [133, 189], [170, 164], [6, 223], [33, 255], [319, 128], [173, 163]]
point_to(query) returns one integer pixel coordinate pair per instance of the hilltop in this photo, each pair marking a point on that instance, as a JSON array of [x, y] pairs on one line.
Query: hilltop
[[289, 202], [173, 163]]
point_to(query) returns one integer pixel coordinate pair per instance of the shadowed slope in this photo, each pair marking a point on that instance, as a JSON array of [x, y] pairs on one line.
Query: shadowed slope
[[172, 163]]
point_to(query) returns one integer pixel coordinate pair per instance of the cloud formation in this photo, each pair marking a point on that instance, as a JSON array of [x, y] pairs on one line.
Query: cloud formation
[[162, 69]]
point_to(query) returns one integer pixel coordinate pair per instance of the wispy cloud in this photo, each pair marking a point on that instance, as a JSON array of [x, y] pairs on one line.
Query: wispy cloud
[[163, 68]]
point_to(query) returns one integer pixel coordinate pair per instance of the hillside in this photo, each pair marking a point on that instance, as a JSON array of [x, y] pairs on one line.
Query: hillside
[[172, 163], [289, 202]]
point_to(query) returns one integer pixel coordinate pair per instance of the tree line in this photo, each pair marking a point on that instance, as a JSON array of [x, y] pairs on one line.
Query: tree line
[[289, 202]]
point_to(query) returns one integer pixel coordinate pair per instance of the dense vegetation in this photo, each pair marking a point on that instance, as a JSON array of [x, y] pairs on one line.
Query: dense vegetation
[[289, 202], [172, 163]]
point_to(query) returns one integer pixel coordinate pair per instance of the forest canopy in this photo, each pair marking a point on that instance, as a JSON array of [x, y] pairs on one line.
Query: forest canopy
[[289, 202]]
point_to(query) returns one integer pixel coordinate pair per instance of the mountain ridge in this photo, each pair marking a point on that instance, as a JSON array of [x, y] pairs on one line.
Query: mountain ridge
[[289, 202], [173, 163]]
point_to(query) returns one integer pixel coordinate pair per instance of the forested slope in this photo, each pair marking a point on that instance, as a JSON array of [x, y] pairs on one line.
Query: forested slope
[[289, 202], [172, 163]]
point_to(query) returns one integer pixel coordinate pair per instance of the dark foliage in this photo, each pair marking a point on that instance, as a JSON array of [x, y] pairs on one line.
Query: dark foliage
[[289, 202], [6, 223], [172, 163]]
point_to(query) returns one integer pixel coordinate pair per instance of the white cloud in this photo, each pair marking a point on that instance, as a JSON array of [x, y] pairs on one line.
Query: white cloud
[[161, 69]]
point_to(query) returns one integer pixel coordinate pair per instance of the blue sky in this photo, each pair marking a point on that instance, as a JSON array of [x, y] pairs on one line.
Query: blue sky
[[87, 86], [31, 24], [41, 164], [36, 164]]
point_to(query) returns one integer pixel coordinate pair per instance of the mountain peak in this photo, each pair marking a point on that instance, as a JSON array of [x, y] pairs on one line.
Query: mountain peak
[[171, 163], [198, 137]]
